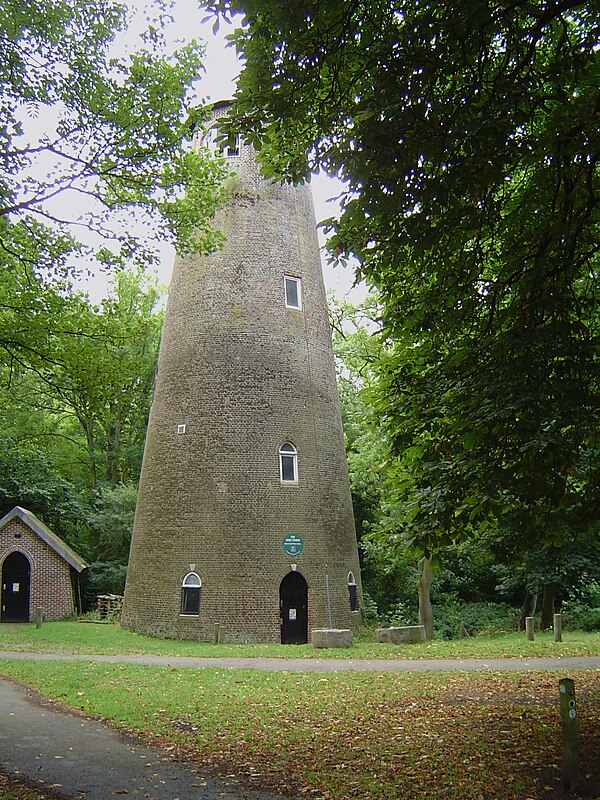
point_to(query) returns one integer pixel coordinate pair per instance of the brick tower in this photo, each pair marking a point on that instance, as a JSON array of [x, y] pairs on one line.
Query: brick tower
[[244, 517]]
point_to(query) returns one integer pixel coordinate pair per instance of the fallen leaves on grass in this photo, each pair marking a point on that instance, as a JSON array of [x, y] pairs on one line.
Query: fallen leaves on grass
[[470, 737], [347, 735]]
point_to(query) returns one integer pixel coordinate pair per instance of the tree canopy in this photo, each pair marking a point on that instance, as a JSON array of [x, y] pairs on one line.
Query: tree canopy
[[72, 428], [468, 135], [94, 157]]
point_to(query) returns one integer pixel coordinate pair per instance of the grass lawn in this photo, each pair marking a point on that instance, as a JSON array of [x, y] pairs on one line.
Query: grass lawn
[[111, 639], [374, 736]]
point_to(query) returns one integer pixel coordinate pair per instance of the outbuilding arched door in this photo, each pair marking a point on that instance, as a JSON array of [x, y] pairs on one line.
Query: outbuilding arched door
[[16, 574], [293, 604]]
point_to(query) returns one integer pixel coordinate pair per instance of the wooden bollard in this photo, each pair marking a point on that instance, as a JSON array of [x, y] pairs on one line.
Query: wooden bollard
[[217, 632], [39, 616], [568, 716], [557, 620], [529, 623]]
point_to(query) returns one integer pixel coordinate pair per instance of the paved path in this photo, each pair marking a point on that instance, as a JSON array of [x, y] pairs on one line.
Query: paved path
[[331, 664], [82, 758]]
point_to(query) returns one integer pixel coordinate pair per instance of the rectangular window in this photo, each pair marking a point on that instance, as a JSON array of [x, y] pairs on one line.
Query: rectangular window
[[293, 292], [190, 600], [232, 146], [219, 142]]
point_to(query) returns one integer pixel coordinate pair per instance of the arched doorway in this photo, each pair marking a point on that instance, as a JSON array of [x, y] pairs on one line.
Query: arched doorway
[[16, 572], [293, 604]]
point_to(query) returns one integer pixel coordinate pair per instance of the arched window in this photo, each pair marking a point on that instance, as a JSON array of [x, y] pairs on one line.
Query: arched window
[[288, 463], [352, 592], [190, 594]]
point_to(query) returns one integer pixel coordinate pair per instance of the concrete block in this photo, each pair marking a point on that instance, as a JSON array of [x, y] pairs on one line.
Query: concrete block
[[332, 637], [401, 635]]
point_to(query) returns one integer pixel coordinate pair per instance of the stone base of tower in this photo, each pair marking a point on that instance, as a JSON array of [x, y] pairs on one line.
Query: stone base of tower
[[286, 612]]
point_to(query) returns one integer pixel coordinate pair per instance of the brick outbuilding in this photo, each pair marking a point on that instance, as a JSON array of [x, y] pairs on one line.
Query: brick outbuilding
[[39, 570]]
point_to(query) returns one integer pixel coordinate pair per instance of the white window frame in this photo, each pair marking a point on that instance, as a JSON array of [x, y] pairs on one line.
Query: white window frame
[[298, 282], [288, 451]]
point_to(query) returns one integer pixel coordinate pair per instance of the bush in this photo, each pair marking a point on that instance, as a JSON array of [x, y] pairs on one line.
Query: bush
[[369, 609], [485, 619], [581, 618], [581, 609], [401, 614], [101, 578]]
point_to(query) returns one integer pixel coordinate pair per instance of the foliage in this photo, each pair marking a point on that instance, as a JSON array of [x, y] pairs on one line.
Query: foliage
[[471, 577], [581, 608], [356, 349], [111, 521], [486, 619], [471, 573], [468, 136], [102, 377], [109, 128], [96, 161], [72, 431], [102, 577], [563, 567], [389, 574], [460, 736], [28, 479]]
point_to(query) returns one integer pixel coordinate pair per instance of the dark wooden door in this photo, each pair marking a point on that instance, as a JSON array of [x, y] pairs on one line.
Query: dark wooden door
[[293, 605], [16, 572]]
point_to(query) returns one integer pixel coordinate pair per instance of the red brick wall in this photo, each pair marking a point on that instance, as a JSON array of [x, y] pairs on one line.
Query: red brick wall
[[50, 582]]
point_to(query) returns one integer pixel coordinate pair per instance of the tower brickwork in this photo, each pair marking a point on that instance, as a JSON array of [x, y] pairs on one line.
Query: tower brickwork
[[244, 515]]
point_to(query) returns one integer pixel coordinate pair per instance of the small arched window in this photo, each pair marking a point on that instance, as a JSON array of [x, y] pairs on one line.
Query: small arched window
[[288, 463], [190, 594], [352, 596]]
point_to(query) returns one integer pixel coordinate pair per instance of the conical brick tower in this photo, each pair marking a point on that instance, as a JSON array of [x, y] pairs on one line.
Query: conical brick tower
[[244, 517]]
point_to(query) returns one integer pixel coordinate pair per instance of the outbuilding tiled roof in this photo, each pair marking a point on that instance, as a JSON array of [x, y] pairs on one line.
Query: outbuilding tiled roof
[[43, 531]]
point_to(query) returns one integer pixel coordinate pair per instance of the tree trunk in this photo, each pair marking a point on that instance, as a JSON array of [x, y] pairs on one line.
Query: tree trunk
[[547, 618], [424, 590], [527, 609], [113, 456], [88, 427]]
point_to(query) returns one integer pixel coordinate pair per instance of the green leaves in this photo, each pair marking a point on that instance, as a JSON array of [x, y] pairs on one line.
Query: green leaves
[[468, 135], [109, 134]]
